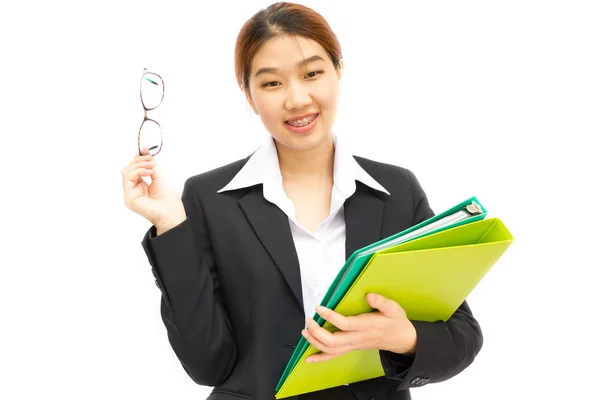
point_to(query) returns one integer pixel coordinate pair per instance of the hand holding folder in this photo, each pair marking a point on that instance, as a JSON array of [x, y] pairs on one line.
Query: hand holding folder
[[428, 269]]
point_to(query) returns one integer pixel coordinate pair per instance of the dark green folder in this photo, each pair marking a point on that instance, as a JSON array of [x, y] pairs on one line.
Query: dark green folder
[[466, 212]]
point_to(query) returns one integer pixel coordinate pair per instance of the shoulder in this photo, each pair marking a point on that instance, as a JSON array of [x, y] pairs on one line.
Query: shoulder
[[213, 180], [396, 179]]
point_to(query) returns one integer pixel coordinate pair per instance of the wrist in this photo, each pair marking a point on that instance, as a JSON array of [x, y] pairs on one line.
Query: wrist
[[170, 222], [162, 228], [408, 343]]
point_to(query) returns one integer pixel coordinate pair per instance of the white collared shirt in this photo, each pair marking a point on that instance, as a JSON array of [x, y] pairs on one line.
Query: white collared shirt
[[322, 254]]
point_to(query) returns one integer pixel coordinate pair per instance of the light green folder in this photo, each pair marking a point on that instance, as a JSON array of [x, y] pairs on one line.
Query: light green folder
[[429, 274], [465, 212]]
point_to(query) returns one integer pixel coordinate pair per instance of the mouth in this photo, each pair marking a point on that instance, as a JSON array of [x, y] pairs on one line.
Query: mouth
[[298, 122], [302, 125]]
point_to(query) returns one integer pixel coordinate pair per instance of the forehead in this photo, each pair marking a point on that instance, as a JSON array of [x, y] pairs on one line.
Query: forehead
[[285, 52]]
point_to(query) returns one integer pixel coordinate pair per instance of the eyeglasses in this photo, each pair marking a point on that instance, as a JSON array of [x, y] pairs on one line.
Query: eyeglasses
[[152, 92]]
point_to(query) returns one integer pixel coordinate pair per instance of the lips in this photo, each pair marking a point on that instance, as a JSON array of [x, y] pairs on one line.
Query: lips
[[301, 120], [310, 121]]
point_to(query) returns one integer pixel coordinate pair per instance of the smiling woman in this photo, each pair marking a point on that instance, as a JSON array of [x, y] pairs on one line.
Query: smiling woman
[[295, 209], [290, 70], [295, 97]]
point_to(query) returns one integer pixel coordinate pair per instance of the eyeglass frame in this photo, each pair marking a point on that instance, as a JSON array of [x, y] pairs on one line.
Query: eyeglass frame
[[146, 109]]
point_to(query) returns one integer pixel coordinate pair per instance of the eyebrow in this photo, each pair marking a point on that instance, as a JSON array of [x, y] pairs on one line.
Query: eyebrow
[[299, 65]]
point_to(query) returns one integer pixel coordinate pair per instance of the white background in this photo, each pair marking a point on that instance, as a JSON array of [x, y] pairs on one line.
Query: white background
[[494, 99]]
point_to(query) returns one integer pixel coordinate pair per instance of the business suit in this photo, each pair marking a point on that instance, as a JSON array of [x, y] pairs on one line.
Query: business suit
[[232, 299]]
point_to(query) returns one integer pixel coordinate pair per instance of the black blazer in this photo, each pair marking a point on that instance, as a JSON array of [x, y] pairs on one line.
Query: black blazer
[[231, 289]]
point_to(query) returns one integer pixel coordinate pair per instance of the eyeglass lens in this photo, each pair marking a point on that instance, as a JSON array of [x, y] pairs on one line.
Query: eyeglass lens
[[152, 95], [151, 136], [152, 90]]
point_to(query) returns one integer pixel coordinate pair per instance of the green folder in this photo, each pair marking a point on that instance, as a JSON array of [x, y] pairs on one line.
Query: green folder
[[429, 269], [467, 211]]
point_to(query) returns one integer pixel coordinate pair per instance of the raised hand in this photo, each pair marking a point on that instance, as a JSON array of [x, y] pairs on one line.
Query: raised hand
[[158, 202]]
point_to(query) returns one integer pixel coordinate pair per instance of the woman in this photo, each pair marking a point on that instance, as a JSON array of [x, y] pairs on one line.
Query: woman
[[245, 256]]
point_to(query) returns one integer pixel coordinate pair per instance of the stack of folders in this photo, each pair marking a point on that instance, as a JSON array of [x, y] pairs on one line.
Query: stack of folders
[[428, 269]]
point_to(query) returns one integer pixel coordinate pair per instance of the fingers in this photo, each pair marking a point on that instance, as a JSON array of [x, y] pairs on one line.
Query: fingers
[[134, 171], [341, 322], [144, 156], [137, 159], [135, 174], [145, 151], [340, 338], [388, 308], [133, 178], [136, 164], [150, 164], [319, 337], [330, 343], [156, 172]]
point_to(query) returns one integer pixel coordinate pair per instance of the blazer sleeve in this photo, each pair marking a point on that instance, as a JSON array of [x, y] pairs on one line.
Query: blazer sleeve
[[444, 349], [197, 324]]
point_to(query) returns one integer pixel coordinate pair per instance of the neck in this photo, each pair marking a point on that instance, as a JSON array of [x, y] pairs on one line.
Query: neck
[[315, 165]]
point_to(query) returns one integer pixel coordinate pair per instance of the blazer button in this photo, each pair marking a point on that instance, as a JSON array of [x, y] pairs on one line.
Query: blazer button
[[419, 381]]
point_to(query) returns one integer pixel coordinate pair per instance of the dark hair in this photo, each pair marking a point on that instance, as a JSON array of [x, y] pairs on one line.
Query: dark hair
[[282, 19]]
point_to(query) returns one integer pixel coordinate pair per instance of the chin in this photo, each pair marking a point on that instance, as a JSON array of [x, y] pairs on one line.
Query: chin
[[303, 142]]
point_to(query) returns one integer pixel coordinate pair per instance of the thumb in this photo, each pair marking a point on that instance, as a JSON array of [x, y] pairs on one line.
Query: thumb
[[144, 151], [156, 173], [388, 308]]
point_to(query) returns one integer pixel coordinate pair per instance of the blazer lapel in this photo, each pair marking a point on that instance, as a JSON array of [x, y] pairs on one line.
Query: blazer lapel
[[363, 212], [271, 225]]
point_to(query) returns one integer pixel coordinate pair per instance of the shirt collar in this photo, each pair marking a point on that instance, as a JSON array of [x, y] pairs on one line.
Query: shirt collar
[[263, 168]]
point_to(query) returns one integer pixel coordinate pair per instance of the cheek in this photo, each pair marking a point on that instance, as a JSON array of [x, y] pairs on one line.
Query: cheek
[[268, 110], [328, 95]]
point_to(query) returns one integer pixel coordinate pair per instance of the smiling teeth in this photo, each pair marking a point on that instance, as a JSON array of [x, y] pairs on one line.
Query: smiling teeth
[[302, 122]]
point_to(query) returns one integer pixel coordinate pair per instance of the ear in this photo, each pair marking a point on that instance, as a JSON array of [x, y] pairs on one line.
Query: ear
[[340, 70], [339, 73]]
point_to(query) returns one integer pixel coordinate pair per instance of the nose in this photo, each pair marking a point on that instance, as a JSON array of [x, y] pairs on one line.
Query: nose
[[297, 97]]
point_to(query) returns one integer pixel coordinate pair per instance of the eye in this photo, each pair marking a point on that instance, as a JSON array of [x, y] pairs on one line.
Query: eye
[[314, 74], [270, 84]]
